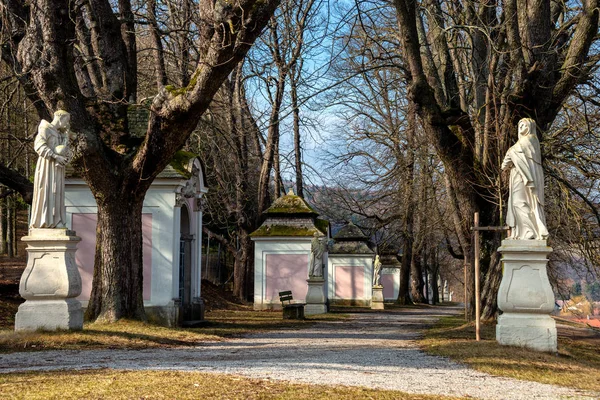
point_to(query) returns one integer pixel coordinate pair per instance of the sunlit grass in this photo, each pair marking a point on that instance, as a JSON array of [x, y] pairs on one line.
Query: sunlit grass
[[577, 364], [115, 384], [126, 334]]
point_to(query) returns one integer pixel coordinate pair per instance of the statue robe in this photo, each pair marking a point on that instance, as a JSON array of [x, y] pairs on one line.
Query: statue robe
[[525, 213], [48, 205]]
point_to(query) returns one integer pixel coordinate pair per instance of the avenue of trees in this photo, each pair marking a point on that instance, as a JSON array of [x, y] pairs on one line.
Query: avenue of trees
[[413, 102]]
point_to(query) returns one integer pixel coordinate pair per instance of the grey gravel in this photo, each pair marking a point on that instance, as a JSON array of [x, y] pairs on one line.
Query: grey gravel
[[375, 350]]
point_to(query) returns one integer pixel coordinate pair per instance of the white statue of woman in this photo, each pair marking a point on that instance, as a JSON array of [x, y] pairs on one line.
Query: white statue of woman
[[377, 271], [52, 146], [317, 249], [525, 213]]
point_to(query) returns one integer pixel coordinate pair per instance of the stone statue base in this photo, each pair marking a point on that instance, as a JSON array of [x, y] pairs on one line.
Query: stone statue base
[[316, 302], [534, 331], [526, 297], [50, 282], [49, 315], [377, 300]]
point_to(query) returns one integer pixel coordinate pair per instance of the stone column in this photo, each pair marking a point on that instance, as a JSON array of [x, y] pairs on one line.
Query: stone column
[[525, 296], [315, 298], [50, 282], [377, 300]]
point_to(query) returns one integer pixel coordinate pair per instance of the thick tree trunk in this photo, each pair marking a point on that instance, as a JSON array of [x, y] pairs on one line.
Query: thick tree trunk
[[489, 295], [118, 274], [404, 289], [242, 271], [417, 284]]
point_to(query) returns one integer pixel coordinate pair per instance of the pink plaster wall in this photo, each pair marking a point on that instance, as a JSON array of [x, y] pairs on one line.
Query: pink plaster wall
[[349, 282], [286, 272], [85, 227], [387, 280]]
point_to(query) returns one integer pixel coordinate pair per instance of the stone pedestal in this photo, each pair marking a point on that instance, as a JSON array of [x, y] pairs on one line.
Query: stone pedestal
[[377, 299], [50, 282], [316, 302], [525, 296]]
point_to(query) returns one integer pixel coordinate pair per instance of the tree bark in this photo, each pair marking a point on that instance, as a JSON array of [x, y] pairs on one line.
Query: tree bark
[[296, 125], [118, 282], [417, 282]]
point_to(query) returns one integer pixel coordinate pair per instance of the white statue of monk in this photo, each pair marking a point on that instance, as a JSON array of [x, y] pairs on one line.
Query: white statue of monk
[[525, 213], [52, 146]]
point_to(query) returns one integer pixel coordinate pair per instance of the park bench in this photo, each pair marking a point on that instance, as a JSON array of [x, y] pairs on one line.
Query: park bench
[[291, 310]]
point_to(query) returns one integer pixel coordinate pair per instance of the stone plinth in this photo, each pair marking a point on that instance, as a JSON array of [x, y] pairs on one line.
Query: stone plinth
[[377, 300], [315, 297], [50, 282], [525, 296]]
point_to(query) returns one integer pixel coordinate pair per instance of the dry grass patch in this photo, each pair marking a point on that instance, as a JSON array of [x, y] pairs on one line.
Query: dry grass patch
[[137, 335], [577, 364], [114, 384]]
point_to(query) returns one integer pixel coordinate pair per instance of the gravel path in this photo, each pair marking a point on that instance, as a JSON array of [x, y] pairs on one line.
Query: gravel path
[[376, 350]]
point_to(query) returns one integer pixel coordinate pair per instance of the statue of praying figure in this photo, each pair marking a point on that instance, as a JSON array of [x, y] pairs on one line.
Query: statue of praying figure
[[377, 271], [317, 249], [525, 213], [52, 146]]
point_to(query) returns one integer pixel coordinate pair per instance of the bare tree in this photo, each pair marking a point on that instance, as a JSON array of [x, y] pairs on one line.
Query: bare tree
[[81, 56], [475, 70]]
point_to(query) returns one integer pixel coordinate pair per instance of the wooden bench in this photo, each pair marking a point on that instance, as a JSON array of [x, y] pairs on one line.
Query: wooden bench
[[291, 310]]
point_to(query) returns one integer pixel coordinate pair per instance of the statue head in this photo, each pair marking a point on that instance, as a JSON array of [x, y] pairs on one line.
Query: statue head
[[62, 120], [526, 127]]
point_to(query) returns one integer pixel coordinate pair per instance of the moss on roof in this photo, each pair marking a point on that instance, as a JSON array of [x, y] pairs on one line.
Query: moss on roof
[[180, 162], [284, 230], [322, 225], [290, 204], [351, 247], [350, 232]]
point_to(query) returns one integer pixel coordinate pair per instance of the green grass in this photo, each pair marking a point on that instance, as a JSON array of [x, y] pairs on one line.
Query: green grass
[[137, 335], [115, 384], [577, 364]]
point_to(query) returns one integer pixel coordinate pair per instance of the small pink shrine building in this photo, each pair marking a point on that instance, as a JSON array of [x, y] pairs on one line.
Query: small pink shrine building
[[172, 239], [350, 268], [390, 276], [282, 247]]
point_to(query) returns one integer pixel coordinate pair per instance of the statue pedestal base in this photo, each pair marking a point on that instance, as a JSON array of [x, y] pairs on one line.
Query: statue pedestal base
[[377, 300], [50, 282], [525, 296], [534, 331], [316, 303]]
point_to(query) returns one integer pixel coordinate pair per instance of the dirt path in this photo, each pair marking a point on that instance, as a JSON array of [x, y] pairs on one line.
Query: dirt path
[[376, 350]]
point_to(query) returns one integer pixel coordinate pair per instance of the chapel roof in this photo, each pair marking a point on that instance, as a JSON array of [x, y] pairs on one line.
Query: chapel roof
[[291, 205], [350, 232]]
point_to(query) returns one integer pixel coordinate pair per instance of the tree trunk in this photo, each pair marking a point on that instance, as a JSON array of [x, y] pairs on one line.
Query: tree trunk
[[9, 227], [489, 295], [118, 288], [417, 282], [3, 247], [407, 197], [242, 273], [435, 273], [297, 145]]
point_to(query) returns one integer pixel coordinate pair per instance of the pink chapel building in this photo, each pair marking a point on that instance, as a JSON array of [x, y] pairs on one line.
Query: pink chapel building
[[282, 247], [172, 239], [350, 268]]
